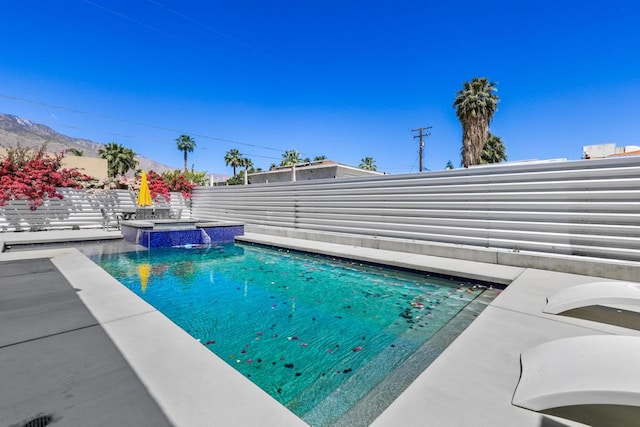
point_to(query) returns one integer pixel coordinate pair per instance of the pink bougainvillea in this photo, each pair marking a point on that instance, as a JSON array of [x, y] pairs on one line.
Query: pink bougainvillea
[[162, 185], [178, 182], [34, 175], [157, 186]]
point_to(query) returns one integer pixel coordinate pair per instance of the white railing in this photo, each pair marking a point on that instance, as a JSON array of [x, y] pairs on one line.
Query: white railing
[[78, 209], [588, 207]]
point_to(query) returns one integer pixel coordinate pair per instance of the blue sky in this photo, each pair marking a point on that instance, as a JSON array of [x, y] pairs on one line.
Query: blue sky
[[345, 79]]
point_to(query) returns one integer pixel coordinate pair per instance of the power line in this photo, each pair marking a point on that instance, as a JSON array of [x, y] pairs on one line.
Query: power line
[[91, 130], [414, 164], [213, 30], [263, 157], [104, 116], [113, 12], [183, 16]]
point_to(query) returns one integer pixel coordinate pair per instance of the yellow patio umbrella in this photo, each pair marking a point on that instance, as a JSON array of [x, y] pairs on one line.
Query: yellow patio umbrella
[[144, 271], [144, 196]]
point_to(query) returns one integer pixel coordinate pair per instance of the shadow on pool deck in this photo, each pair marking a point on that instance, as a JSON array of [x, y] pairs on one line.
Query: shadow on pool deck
[[57, 364]]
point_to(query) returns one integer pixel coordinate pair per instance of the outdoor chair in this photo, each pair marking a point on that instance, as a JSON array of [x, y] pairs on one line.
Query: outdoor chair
[[109, 217], [589, 379], [611, 302]]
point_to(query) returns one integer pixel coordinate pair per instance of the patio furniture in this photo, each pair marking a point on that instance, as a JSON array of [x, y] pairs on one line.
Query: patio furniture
[[615, 303], [144, 213], [161, 213], [109, 217], [589, 379], [128, 213]]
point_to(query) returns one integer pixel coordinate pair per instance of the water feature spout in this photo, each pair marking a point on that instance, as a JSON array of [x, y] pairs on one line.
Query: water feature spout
[[206, 240]]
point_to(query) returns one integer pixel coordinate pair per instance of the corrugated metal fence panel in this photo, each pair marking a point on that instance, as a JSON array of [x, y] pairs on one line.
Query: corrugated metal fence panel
[[579, 207], [78, 208], [180, 207]]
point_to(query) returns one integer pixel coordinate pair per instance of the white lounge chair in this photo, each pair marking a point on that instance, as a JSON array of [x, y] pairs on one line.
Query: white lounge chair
[[590, 379], [616, 303]]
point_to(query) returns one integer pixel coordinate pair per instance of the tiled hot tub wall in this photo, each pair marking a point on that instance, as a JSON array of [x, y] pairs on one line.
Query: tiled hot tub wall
[[224, 234], [150, 238]]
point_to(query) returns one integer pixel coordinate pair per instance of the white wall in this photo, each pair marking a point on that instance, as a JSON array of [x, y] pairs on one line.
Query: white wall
[[587, 208], [78, 208]]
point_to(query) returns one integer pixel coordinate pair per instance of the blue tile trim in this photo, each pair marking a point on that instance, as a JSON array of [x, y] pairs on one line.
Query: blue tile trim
[[167, 238]]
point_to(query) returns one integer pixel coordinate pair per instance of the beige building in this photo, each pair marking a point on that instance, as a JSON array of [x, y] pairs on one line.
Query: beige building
[[91, 166]]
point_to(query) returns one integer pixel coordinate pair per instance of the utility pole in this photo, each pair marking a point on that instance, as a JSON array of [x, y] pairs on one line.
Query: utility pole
[[424, 133]]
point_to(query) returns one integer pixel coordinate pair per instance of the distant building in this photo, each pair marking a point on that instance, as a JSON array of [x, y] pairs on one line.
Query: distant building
[[601, 151], [91, 166], [305, 171]]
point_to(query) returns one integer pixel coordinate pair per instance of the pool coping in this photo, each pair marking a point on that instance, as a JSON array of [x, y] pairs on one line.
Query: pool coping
[[473, 270], [469, 372]]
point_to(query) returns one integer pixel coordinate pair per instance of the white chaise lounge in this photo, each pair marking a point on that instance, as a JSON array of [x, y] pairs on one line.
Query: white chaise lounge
[[616, 294], [590, 379], [616, 303]]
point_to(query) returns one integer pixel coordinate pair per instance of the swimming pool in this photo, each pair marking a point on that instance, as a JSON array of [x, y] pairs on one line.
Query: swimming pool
[[315, 333]]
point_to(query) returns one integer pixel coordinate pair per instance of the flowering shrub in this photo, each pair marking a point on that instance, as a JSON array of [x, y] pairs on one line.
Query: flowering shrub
[[177, 181], [117, 183], [157, 186], [33, 175]]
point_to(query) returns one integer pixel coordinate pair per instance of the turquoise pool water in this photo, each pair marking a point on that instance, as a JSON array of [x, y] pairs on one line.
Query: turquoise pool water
[[308, 330]]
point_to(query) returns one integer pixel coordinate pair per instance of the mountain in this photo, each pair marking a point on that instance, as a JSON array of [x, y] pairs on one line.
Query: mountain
[[14, 130]]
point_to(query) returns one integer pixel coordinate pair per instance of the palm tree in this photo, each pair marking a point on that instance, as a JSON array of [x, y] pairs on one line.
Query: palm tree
[[368, 164], [185, 144], [290, 157], [319, 158], [120, 159], [75, 152], [247, 163], [494, 150], [475, 105], [449, 165], [234, 159]]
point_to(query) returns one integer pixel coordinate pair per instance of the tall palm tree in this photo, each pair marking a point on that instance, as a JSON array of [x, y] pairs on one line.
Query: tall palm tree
[[234, 159], [290, 157], [368, 164], [186, 144], [475, 105], [494, 150], [120, 159]]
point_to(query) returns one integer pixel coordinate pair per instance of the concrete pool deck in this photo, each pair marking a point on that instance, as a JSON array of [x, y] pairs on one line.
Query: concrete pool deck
[[471, 383]]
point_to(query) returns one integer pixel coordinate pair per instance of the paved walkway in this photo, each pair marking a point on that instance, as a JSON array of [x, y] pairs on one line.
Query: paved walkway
[[471, 383], [56, 236], [56, 361]]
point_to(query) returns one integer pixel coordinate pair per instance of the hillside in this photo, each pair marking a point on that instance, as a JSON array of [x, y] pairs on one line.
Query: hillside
[[15, 130]]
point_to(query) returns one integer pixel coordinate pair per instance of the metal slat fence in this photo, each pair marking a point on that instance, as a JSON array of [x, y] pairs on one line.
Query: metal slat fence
[[589, 207], [77, 209]]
